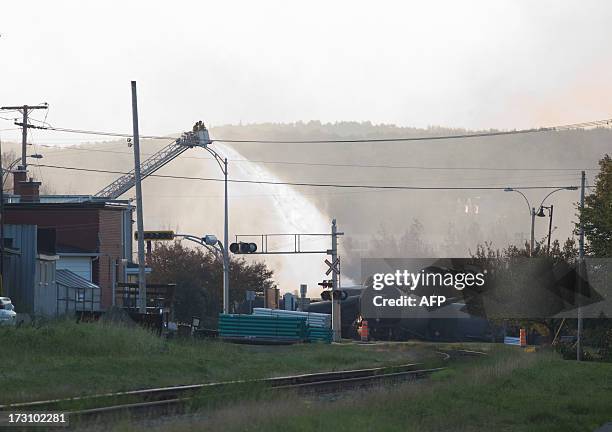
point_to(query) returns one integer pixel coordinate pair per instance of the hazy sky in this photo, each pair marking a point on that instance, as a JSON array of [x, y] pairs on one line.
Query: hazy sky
[[474, 64]]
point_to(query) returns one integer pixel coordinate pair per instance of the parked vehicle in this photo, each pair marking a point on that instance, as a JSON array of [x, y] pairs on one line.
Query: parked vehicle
[[8, 316]]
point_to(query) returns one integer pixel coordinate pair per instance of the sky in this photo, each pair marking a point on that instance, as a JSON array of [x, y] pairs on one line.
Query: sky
[[473, 64]]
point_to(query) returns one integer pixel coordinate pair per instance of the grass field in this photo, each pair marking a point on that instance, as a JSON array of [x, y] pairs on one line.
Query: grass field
[[62, 359], [509, 391]]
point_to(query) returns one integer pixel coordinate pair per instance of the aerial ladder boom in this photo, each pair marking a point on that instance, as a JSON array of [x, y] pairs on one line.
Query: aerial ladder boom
[[198, 138]]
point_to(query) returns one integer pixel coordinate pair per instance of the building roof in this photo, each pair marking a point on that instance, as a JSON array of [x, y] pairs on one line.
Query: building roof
[[72, 280], [68, 202]]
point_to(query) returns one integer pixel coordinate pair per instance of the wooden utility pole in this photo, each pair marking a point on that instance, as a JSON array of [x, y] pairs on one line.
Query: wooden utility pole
[[336, 307], [24, 110], [142, 283], [1, 224], [581, 268]]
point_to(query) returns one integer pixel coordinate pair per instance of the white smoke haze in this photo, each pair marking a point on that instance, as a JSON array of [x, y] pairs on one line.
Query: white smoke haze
[[358, 68], [376, 223]]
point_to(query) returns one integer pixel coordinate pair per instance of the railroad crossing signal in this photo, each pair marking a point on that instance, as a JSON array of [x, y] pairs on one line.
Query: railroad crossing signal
[[243, 248], [329, 294], [336, 295], [333, 267], [155, 235], [327, 284]]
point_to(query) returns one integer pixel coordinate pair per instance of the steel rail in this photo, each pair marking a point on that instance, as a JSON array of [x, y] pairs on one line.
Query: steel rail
[[167, 400], [161, 393], [178, 405]]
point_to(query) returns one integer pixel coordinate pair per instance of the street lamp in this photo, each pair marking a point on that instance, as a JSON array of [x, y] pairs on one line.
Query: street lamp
[[222, 162], [550, 212], [550, 218], [532, 213], [200, 129], [15, 162], [214, 245]]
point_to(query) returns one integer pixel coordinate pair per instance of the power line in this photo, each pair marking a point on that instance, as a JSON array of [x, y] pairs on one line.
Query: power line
[[307, 184], [88, 132], [596, 123], [336, 165]]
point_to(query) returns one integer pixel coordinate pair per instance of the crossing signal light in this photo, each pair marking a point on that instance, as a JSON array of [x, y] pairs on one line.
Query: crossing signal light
[[243, 248], [336, 295], [329, 294], [155, 235]]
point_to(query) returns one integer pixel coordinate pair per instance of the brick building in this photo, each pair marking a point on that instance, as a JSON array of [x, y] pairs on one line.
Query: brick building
[[93, 236]]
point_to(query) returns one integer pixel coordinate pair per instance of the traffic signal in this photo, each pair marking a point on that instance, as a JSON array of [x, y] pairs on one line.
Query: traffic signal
[[243, 248], [155, 235], [337, 295]]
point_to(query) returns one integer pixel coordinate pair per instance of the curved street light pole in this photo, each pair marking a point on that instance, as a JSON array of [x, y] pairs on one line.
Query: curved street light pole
[[10, 167], [222, 162], [211, 243], [557, 190], [216, 248], [532, 212], [550, 212]]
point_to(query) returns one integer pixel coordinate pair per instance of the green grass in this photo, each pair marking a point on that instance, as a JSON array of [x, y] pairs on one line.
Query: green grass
[[64, 359], [510, 391]]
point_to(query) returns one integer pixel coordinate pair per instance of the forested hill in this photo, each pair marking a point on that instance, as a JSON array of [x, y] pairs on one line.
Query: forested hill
[[451, 221]]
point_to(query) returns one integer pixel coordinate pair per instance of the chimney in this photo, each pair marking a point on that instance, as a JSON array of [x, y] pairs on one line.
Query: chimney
[[19, 176], [28, 190]]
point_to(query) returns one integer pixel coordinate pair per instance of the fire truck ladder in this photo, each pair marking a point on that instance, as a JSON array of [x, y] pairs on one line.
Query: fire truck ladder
[[149, 166]]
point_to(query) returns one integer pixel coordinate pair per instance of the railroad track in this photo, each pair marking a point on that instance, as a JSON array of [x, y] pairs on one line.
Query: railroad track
[[176, 399]]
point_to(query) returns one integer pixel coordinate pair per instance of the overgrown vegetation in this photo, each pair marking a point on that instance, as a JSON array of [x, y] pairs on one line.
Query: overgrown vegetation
[[198, 275], [63, 359], [510, 391], [597, 214]]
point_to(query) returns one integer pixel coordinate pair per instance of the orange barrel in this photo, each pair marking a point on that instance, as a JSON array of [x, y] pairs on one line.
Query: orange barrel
[[523, 337]]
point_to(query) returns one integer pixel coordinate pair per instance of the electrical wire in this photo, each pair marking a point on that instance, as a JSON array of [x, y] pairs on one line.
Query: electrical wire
[[307, 184], [596, 123], [334, 165], [88, 132]]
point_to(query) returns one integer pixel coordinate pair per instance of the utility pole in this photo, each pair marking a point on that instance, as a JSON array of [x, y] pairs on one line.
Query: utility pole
[[532, 242], [226, 261], [1, 225], [336, 310], [24, 109], [550, 219], [142, 283], [581, 274]]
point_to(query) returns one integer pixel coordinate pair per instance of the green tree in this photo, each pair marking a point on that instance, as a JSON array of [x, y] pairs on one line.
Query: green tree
[[500, 262], [198, 276], [597, 214]]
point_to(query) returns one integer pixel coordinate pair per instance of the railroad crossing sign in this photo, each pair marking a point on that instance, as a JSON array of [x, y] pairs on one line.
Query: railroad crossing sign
[[333, 267]]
